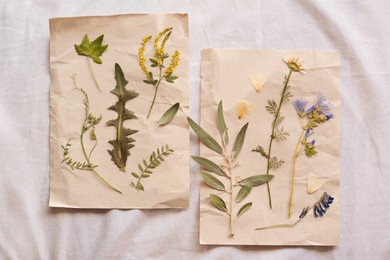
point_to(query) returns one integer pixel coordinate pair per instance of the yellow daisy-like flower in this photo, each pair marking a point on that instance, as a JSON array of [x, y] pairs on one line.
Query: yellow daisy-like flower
[[174, 63], [141, 55], [295, 64]]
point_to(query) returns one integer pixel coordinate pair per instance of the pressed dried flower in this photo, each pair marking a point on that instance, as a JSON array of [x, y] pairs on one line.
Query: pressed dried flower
[[258, 82], [295, 64], [141, 55], [174, 63], [244, 108], [313, 183]]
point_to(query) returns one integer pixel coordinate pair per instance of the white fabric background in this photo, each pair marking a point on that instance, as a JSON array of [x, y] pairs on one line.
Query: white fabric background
[[31, 230]]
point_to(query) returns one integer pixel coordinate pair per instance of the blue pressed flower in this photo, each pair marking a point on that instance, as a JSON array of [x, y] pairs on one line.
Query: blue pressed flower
[[313, 142], [300, 106], [322, 205]]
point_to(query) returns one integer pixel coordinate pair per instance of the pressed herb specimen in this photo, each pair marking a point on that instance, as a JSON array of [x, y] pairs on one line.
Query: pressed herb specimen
[[158, 62], [169, 114], [319, 210], [278, 132], [315, 115], [90, 121], [225, 170], [123, 142], [145, 171], [92, 50]]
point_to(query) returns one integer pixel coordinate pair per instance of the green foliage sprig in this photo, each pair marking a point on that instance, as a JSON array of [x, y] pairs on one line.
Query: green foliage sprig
[[92, 50], [145, 171], [278, 132], [90, 121], [123, 142], [158, 62], [225, 170]]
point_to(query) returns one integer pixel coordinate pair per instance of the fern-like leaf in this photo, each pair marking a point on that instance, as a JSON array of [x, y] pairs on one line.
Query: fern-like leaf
[[287, 95], [155, 159], [259, 149], [272, 107], [123, 143], [278, 120], [280, 134], [274, 163]]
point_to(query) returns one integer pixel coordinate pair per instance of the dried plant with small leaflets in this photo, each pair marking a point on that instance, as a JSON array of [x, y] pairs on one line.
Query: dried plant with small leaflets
[[123, 142], [220, 177], [92, 50], [88, 126], [278, 133], [146, 168]]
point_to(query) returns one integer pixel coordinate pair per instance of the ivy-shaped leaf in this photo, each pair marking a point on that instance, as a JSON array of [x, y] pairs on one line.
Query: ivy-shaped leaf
[[169, 114], [92, 49], [205, 137], [123, 143]]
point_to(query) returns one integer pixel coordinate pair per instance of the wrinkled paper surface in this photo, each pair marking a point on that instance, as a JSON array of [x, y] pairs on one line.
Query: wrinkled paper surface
[[168, 187], [225, 76]]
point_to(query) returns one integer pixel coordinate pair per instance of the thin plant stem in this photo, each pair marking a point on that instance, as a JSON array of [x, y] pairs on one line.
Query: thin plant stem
[[231, 226], [296, 154], [273, 133], [89, 162], [93, 74], [279, 225], [155, 92]]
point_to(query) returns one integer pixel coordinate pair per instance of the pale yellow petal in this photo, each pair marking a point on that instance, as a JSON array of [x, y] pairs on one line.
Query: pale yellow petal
[[244, 108], [313, 183], [257, 81]]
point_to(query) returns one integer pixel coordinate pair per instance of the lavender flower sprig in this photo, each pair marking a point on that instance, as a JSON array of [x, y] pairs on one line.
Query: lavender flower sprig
[[315, 115], [319, 210]]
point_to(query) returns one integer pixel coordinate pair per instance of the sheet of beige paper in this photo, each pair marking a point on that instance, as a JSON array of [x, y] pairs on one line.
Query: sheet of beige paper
[[225, 76], [168, 187]]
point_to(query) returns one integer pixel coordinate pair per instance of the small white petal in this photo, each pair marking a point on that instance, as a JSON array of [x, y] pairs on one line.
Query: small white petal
[[257, 81], [313, 183], [244, 108]]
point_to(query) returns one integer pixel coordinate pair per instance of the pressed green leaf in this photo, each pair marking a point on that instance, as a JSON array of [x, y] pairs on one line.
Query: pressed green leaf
[[169, 114], [208, 165], [244, 209], [135, 175], [256, 180], [240, 140], [93, 49], [140, 168], [140, 187], [212, 181], [123, 142], [221, 124], [205, 137], [242, 193], [145, 175], [218, 202]]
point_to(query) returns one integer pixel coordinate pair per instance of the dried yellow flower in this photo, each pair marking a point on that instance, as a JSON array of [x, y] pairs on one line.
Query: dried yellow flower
[[141, 55], [295, 64], [174, 63], [159, 50], [244, 108]]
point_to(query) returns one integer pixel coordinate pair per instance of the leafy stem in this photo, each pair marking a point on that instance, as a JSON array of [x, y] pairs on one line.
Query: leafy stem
[[274, 123], [156, 89]]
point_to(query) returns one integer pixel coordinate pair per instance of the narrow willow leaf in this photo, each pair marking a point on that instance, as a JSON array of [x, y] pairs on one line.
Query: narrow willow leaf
[[244, 209], [212, 181], [243, 192], [256, 180], [123, 141], [169, 114], [240, 140], [218, 202], [208, 165], [221, 124], [205, 137]]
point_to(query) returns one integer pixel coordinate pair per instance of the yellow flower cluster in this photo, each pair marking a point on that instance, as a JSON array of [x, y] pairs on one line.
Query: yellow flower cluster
[[159, 51], [174, 63], [141, 54]]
